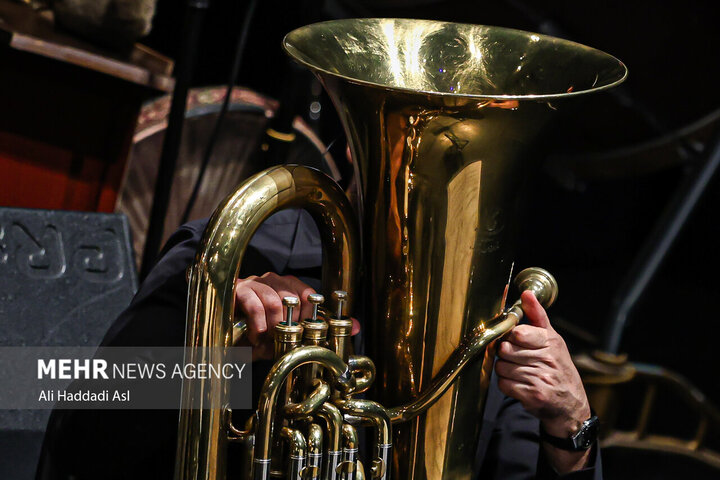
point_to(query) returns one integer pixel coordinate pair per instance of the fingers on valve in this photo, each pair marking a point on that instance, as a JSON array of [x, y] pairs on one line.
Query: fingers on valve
[[290, 286], [272, 303], [254, 311], [302, 291]]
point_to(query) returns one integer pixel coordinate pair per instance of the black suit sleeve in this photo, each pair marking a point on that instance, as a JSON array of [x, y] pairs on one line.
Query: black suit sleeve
[[514, 453]]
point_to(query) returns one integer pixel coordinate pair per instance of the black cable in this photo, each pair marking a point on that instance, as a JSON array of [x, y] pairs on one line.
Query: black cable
[[194, 16], [212, 140]]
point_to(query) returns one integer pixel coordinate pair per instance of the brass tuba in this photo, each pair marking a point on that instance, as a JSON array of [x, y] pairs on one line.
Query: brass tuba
[[440, 118]]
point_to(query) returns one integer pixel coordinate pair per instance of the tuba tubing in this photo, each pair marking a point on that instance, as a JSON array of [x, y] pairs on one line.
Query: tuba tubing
[[350, 378], [202, 428]]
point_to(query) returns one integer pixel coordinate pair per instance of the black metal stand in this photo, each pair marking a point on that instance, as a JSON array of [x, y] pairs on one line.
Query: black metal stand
[[658, 243], [212, 139], [171, 145]]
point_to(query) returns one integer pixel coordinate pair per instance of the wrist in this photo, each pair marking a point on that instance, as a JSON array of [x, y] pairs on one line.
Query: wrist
[[579, 441], [567, 425]]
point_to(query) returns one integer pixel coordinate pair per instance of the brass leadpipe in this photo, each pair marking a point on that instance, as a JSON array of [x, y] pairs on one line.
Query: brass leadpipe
[[537, 280], [458, 361]]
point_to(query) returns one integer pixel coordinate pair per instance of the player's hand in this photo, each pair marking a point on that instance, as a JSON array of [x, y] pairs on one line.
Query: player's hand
[[535, 367], [258, 300]]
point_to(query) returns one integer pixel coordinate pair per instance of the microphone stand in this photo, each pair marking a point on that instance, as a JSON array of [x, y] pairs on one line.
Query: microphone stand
[[194, 16]]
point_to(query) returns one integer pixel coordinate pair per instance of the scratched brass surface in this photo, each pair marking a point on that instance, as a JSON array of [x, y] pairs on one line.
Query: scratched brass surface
[[441, 119]]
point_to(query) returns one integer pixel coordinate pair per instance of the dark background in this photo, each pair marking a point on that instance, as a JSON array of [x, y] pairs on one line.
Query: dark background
[[587, 230]]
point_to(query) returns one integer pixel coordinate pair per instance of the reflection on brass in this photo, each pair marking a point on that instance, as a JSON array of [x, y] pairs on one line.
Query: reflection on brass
[[298, 447], [315, 452], [440, 119], [311, 404]]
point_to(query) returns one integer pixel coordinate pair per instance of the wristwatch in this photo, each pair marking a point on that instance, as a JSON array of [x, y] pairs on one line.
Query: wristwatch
[[581, 441]]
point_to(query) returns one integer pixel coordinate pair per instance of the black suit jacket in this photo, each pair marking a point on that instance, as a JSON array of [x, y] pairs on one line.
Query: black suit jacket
[[90, 445]]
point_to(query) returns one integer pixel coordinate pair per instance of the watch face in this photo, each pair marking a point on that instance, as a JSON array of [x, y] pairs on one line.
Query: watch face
[[587, 434], [585, 441]]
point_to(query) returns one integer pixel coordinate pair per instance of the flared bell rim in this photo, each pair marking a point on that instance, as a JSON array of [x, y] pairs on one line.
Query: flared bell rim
[[618, 76]]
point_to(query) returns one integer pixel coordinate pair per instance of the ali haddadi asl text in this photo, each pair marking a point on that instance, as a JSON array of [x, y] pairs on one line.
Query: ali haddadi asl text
[[84, 396]]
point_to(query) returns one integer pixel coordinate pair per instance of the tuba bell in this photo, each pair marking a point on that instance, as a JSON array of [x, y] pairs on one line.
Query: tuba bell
[[441, 119]]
